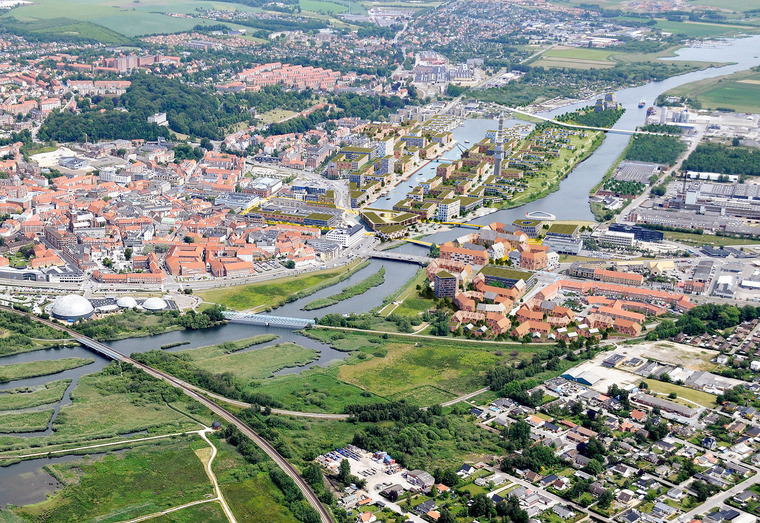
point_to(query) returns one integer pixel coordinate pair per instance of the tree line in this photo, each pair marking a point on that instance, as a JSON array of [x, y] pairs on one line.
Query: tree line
[[718, 158]]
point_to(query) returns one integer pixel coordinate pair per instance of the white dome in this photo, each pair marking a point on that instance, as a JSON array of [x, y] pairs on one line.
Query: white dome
[[127, 302], [154, 304], [72, 306]]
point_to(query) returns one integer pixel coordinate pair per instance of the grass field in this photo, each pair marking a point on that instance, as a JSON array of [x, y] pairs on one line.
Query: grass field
[[252, 364], [319, 6], [707, 239], [739, 91], [126, 485], [586, 58], [416, 369], [315, 390], [276, 292], [105, 405], [107, 21], [250, 493], [276, 116], [18, 371], [25, 421], [683, 393], [702, 30], [408, 291], [208, 513], [23, 398]]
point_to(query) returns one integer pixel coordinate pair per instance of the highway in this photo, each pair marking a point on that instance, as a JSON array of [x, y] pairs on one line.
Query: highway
[[224, 414]]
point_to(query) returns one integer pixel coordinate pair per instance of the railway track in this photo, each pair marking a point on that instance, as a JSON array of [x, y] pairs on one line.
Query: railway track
[[227, 416]]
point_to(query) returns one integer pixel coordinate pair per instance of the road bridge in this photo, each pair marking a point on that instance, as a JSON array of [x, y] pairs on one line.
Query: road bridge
[[100, 348], [582, 127], [268, 320], [398, 256]]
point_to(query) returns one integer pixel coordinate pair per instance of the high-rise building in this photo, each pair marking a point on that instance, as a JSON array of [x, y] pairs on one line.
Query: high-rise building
[[499, 152]]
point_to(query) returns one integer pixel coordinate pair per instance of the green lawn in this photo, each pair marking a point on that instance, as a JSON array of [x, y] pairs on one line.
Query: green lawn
[[273, 293], [697, 396], [18, 371], [25, 421], [26, 397], [126, 485]]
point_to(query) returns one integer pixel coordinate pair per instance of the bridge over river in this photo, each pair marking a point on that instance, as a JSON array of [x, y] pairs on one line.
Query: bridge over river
[[268, 320]]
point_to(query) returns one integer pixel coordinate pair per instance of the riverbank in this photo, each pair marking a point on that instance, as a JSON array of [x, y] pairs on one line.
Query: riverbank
[[268, 295], [549, 184], [349, 292]]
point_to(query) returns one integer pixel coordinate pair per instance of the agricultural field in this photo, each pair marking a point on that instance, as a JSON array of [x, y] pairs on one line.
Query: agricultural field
[[739, 91], [576, 58], [702, 29], [253, 364], [585, 58], [113, 488], [273, 293], [26, 397], [32, 369], [112, 22]]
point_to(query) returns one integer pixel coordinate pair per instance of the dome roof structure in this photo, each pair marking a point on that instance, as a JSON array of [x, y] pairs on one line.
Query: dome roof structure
[[154, 304], [126, 302], [72, 307]]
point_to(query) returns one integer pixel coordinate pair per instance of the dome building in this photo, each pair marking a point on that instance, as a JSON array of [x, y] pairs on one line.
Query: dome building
[[126, 302], [72, 307], [154, 304]]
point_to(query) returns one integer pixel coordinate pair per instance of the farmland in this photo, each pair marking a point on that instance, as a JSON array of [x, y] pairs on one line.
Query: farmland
[[112, 22], [739, 92]]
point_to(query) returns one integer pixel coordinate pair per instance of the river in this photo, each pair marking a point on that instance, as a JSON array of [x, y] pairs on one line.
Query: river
[[17, 482]]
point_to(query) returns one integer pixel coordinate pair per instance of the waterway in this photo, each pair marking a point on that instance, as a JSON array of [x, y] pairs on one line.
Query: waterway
[[27, 482], [570, 201]]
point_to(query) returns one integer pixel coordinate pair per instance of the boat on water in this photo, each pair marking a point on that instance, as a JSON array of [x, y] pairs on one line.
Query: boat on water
[[467, 141], [642, 103]]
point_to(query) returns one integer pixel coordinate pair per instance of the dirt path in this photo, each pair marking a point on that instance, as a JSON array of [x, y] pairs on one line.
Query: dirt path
[[206, 456]]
